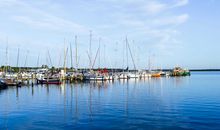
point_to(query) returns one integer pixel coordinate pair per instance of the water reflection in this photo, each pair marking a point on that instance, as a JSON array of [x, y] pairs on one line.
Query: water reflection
[[65, 88], [150, 103]]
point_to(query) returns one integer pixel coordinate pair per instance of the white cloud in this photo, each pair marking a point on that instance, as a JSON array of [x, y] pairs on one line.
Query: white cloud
[[37, 18], [181, 3], [154, 7], [174, 20], [50, 22], [150, 20]]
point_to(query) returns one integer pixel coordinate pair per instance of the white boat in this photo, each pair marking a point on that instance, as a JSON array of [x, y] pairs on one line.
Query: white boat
[[50, 80], [111, 77], [133, 75], [144, 75], [123, 75], [95, 77]]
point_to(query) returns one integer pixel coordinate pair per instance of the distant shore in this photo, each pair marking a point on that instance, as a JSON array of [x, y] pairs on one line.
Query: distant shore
[[205, 70]]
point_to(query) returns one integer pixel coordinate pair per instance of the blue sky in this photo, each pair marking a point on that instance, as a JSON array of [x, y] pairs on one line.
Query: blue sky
[[171, 32]]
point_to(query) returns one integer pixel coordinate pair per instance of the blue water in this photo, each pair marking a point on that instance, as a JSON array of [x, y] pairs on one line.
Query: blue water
[[156, 103]]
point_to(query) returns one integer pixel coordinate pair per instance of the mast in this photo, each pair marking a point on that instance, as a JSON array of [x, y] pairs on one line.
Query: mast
[[18, 57], [126, 46], [123, 59], [59, 61], [95, 57], [131, 54], [38, 58], [26, 58], [90, 49], [116, 54], [104, 55], [49, 58], [6, 57], [65, 56], [46, 58], [99, 51], [88, 56], [71, 55], [149, 64], [76, 52]]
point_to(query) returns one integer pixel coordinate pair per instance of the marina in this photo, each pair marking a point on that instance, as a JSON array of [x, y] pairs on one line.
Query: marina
[[48, 76], [109, 65]]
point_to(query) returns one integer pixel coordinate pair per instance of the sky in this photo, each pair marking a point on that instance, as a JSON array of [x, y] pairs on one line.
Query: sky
[[166, 33]]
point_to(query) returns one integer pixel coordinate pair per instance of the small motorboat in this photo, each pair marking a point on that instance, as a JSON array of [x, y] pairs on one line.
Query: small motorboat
[[156, 74], [49, 81]]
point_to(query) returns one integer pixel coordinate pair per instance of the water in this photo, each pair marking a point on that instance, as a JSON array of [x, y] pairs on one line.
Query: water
[[160, 103]]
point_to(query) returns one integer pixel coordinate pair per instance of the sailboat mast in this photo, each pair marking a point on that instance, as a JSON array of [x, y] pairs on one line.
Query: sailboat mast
[[95, 57], [60, 57], [90, 49], [18, 57], [104, 55], [6, 57], [38, 58], [131, 55], [126, 46], [116, 54], [25, 63], [65, 56], [71, 55], [149, 63], [123, 58], [99, 51], [76, 53], [50, 58]]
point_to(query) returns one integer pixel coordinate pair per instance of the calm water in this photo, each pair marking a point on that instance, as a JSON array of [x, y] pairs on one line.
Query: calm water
[[162, 103]]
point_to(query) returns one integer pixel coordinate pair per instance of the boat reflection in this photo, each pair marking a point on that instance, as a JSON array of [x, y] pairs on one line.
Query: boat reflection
[[92, 97]]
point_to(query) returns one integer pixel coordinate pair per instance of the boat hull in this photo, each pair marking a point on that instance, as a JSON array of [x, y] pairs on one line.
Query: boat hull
[[51, 81]]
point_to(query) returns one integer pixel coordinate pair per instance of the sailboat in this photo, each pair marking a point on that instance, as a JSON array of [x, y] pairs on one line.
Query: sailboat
[[124, 74], [132, 74], [9, 79]]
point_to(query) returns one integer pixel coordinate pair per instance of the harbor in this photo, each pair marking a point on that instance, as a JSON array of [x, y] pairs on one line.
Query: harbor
[[109, 65], [57, 76]]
